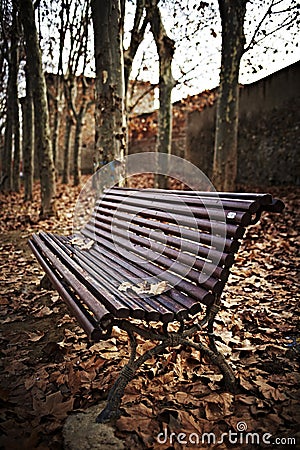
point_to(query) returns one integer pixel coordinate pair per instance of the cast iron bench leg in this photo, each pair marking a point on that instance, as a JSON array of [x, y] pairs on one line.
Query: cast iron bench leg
[[112, 409], [218, 359]]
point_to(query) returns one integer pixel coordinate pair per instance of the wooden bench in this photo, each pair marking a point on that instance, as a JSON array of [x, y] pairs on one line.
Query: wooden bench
[[149, 258]]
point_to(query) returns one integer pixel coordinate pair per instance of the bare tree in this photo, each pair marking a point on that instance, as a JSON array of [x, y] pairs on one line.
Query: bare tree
[[53, 28], [188, 27], [111, 133], [75, 86], [165, 50], [41, 117], [10, 51], [233, 48], [15, 59], [137, 34], [27, 139], [233, 41]]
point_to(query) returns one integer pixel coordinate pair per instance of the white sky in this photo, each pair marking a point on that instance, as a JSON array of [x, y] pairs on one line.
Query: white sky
[[200, 57], [205, 57]]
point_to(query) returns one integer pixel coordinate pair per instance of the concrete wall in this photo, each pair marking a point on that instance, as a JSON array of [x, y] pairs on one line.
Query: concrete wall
[[269, 131]]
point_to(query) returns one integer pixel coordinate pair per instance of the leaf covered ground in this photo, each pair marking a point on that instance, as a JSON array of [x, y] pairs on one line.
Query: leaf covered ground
[[49, 369]]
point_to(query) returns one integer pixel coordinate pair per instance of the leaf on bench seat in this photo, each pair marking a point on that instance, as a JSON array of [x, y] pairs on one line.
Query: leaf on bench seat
[[83, 244], [145, 288]]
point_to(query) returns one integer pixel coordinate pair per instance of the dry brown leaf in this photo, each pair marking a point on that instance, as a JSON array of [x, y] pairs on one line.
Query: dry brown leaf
[[140, 418], [269, 391], [104, 346], [45, 311], [145, 287], [34, 337], [246, 399], [53, 405], [83, 244], [250, 348]]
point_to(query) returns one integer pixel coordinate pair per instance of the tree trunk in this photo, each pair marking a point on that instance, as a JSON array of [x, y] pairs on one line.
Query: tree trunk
[[16, 120], [57, 115], [27, 144], [111, 130], [69, 88], [8, 139], [66, 168], [77, 146], [41, 122], [233, 42], [165, 50], [78, 131], [11, 162], [137, 36], [17, 146], [28, 140]]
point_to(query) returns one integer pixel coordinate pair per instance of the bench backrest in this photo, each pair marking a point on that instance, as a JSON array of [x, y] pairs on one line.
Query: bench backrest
[[187, 239]]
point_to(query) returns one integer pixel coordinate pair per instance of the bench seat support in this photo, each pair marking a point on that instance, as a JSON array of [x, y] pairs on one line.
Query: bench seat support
[[165, 339]]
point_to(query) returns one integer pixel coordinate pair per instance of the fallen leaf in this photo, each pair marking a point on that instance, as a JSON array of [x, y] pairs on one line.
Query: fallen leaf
[[45, 311], [35, 337], [145, 287], [53, 405], [269, 391], [83, 244]]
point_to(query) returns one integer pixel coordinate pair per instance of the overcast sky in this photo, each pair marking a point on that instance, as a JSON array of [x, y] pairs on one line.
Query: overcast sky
[[199, 57], [202, 54]]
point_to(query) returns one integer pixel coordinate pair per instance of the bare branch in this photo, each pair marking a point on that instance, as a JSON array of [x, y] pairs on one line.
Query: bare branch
[[252, 41], [140, 97], [286, 22]]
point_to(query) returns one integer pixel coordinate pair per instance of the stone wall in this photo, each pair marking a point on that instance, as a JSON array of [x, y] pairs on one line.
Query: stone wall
[[269, 125]]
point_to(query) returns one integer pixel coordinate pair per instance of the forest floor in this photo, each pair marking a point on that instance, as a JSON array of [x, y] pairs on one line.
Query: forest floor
[[49, 370]]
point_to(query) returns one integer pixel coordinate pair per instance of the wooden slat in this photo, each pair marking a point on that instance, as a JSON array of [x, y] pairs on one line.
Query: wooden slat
[[192, 235], [211, 226], [212, 258], [70, 270], [119, 227], [85, 319], [135, 268], [264, 199], [197, 292], [156, 307], [208, 202], [242, 218], [105, 267], [277, 206], [103, 275], [179, 263], [177, 302], [100, 311]]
